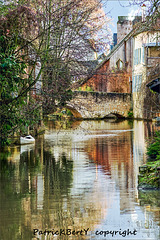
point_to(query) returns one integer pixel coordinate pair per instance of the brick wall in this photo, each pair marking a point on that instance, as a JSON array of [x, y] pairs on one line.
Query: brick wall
[[106, 80]]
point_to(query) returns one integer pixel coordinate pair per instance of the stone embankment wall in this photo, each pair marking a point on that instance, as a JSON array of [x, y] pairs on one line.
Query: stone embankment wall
[[99, 105]]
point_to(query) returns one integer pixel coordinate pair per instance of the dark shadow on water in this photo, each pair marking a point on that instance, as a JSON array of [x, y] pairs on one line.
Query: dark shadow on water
[[20, 182]]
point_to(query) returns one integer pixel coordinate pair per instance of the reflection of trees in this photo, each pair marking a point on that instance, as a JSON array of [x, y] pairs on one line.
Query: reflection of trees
[[37, 195], [17, 182], [19, 191], [6, 168], [57, 182], [10, 207], [58, 173]]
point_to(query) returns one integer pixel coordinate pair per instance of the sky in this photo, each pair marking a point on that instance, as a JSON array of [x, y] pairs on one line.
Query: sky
[[115, 8]]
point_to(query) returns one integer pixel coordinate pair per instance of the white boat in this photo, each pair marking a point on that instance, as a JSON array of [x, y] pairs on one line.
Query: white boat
[[26, 147], [27, 139]]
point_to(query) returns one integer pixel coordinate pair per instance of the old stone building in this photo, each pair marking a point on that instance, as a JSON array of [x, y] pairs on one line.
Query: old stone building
[[146, 61], [131, 64], [124, 26], [114, 74]]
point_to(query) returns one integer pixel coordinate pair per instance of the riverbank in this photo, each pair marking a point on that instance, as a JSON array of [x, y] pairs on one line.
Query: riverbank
[[149, 174]]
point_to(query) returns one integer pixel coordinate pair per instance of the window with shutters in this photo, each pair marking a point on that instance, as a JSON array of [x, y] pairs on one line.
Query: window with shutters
[[143, 55], [137, 56], [136, 83]]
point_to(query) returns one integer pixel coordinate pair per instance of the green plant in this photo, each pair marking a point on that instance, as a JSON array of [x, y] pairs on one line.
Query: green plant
[[17, 110], [130, 113], [69, 113], [89, 89], [153, 150]]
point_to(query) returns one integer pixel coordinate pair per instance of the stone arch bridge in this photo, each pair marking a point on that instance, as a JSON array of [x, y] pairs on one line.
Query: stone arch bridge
[[89, 105]]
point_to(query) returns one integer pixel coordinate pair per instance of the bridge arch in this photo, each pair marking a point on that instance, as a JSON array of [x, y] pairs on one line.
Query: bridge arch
[[75, 113], [115, 114]]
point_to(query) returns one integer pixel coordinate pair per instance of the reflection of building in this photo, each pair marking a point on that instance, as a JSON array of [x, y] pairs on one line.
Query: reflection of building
[[112, 151], [139, 148]]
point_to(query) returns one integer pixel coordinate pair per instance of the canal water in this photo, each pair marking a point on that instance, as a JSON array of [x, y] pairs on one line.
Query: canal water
[[79, 182]]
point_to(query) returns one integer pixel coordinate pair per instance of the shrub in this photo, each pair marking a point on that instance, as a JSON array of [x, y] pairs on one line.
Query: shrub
[[130, 113], [153, 150], [89, 89]]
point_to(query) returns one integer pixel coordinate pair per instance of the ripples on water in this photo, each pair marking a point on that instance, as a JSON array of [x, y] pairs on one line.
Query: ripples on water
[[78, 178]]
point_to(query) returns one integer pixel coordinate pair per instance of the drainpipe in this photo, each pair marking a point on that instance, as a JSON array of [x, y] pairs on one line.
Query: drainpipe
[[125, 53]]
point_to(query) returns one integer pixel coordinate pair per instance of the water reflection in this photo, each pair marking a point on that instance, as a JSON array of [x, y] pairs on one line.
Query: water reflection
[[150, 201], [78, 178]]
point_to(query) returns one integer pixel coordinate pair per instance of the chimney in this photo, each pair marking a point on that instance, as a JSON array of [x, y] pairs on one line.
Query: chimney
[[143, 7]]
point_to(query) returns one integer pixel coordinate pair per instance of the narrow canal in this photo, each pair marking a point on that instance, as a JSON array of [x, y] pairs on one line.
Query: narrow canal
[[79, 182]]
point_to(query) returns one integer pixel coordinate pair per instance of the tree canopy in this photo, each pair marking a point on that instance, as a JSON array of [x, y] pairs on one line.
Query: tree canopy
[[42, 42]]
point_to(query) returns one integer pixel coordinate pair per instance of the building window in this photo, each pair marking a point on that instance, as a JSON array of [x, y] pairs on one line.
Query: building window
[[119, 64], [137, 56], [143, 55], [136, 83]]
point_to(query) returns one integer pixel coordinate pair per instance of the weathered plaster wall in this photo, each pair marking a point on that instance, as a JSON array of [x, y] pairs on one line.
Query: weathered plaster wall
[[118, 54], [129, 54], [149, 59]]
